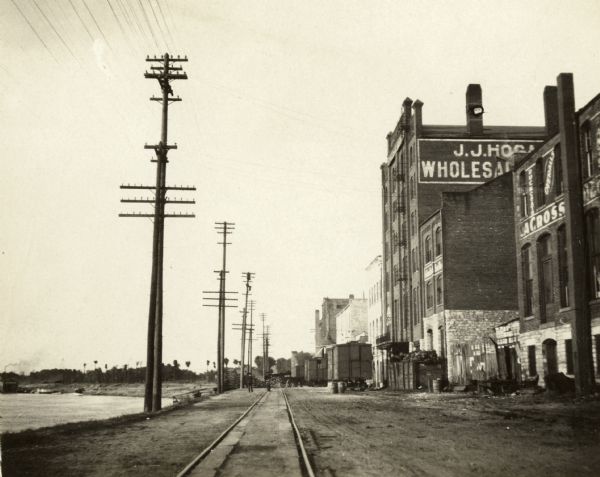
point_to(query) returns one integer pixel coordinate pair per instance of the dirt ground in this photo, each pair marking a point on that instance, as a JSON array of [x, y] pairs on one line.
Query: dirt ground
[[135, 445], [373, 433], [385, 433]]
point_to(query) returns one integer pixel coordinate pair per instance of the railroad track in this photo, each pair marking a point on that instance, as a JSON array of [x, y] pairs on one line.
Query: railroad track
[[264, 440]]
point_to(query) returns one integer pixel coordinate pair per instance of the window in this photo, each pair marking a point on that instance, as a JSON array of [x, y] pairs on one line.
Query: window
[[415, 304], [393, 178], [563, 269], [438, 241], [569, 355], [413, 222], [587, 165], [439, 293], [597, 345], [412, 187], [429, 288], [413, 257], [428, 249], [524, 194], [592, 222], [527, 280], [540, 198], [394, 210], [531, 360], [558, 171], [545, 274]]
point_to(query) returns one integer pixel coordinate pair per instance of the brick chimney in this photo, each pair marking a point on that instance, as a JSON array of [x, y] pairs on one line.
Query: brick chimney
[[551, 110], [474, 121], [418, 115]]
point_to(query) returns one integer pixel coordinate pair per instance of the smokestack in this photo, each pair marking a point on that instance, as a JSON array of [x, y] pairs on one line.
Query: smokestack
[[551, 110], [474, 110]]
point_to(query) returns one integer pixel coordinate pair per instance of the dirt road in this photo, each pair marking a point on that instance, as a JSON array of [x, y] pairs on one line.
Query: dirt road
[[380, 434], [372, 433]]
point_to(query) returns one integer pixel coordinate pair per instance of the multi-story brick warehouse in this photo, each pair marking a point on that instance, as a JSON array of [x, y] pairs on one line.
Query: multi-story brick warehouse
[[325, 325], [550, 273], [424, 161]]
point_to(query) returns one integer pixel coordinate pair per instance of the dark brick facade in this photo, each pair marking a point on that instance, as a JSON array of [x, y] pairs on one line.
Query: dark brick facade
[[479, 250]]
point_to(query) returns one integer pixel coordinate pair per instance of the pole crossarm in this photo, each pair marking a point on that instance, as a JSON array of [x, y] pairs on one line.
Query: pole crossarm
[[143, 187], [151, 201], [160, 147], [162, 58], [151, 216]]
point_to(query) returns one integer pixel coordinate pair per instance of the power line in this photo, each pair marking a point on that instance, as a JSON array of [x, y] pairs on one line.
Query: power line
[[55, 30], [166, 24], [33, 29], [81, 20], [118, 21], [96, 23], [159, 27], [148, 23]]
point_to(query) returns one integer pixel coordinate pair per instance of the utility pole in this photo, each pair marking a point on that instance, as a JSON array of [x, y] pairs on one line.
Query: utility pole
[[224, 229], [250, 338], [248, 276], [575, 226], [164, 73], [245, 330]]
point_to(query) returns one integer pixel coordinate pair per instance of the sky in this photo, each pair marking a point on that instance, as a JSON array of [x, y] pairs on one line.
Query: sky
[[281, 128]]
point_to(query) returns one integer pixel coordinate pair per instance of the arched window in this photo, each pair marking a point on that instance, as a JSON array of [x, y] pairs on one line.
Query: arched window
[[592, 222], [544, 253], [563, 270], [524, 194], [540, 197], [438, 241], [429, 339], [527, 280], [428, 249]]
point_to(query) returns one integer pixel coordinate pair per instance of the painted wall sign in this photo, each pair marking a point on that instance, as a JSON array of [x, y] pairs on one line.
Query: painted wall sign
[[467, 161], [542, 218], [530, 192], [548, 172]]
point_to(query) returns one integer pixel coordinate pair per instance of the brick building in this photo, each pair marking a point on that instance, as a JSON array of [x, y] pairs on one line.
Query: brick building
[[551, 273], [467, 270], [373, 293], [423, 162], [351, 322], [325, 324]]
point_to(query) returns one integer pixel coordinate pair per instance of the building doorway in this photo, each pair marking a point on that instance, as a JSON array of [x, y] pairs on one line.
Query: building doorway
[[549, 357]]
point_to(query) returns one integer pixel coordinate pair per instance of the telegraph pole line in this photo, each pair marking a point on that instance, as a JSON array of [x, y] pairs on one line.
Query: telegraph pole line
[[250, 338], [248, 276], [224, 229], [164, 73]]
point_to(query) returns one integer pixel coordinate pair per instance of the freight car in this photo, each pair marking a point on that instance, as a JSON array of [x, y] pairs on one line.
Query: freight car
[[349, 362], [315, 371]]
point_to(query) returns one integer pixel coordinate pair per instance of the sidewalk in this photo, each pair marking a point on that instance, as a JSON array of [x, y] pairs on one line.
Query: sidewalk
[[262, 444]]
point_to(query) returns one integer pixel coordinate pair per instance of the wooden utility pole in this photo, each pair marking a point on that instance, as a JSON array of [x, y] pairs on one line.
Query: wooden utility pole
[[248, 277], [250, 338], [165, 73], [224, 229], [574, 220]]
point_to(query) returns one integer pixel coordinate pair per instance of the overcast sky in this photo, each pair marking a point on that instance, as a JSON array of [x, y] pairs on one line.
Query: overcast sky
[[282, 130]]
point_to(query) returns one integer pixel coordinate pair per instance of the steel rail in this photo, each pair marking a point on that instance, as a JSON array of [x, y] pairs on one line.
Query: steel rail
[[299, 442], [188, 468]]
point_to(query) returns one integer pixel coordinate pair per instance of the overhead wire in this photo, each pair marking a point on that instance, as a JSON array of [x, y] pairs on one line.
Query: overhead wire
[[148, 23], [96, 23], [34, 30], [81, 20], [165, 22], [118, 22], [158, 24], [56, 31]]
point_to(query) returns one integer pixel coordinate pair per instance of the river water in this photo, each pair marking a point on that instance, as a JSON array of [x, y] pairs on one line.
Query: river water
[[30, 411]]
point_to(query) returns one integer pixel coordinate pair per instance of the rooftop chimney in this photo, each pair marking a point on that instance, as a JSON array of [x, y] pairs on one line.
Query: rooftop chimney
[[474, 110], [551, 110]]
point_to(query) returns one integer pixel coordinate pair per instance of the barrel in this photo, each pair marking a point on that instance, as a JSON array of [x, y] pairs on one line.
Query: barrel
[[436, 385], [333, 387], [342, 387]]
